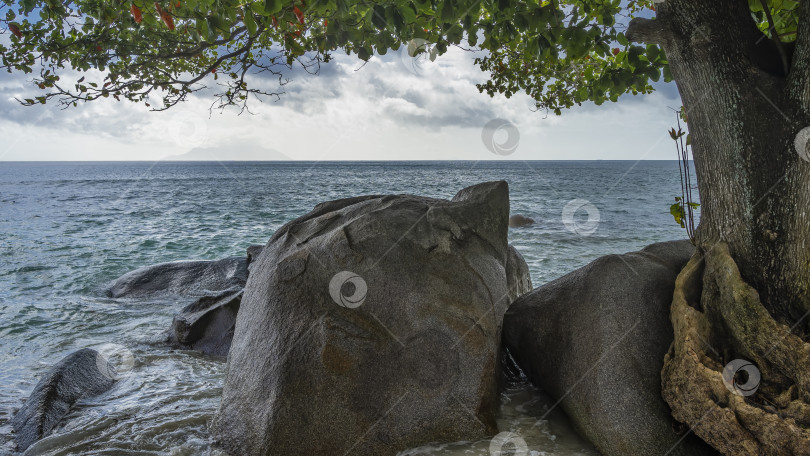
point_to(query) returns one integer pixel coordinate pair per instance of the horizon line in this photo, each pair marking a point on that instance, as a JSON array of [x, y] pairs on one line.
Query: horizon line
[[341, 161]]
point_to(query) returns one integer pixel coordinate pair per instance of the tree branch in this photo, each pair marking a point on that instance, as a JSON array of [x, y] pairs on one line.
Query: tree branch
[[775, 36], [650, 31], [799, 77]]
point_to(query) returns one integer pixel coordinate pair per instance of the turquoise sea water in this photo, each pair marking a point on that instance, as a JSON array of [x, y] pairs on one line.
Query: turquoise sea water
[[67, 229]]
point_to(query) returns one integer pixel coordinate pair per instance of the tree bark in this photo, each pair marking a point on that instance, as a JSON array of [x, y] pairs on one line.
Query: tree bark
[[744, 115]]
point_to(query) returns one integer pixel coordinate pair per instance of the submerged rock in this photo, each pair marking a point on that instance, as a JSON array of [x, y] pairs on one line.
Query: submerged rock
[[519, 221], [81, 374], [596, 338], [207, 324], [372, 325], [182, 278]]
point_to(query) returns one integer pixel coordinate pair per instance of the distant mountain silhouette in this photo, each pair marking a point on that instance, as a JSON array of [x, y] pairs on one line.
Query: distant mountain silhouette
[[234, 152]]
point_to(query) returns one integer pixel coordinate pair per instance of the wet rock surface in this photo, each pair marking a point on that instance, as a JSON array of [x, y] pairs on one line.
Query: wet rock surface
[[181, 278], [207, 324], [519, 221], [82, 374]]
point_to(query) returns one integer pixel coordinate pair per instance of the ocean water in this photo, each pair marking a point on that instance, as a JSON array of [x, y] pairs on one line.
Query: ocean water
[[68, 229]]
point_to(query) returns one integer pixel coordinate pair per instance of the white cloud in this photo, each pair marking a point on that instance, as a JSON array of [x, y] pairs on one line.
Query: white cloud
[[377, 111]]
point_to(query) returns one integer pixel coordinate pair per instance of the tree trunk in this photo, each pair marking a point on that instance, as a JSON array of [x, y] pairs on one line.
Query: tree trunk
[[744, 114]]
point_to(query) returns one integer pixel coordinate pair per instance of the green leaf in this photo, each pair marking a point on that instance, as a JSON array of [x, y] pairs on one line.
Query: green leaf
[[448, 12], [28, 6], [407, 12], [678, 214], [272, 6], [250, 22], [653, 52], [378, 18]]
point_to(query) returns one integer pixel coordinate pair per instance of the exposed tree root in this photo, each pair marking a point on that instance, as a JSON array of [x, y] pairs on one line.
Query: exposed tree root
[[718, 318]]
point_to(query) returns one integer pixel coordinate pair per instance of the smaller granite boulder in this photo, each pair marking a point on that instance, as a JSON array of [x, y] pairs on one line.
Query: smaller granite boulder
[[84, 373], [181, 278], [595, 339], [207, 324], [518, 277], [519, 221]]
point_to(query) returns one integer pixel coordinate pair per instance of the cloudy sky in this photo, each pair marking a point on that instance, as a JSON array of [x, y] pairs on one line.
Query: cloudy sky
[[388, 109]]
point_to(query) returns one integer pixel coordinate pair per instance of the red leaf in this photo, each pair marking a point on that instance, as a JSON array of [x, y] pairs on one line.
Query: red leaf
[[15, 30], [616, 51], [166, 17], [275, 22], [136, 14], [168, 20], [298, 14]]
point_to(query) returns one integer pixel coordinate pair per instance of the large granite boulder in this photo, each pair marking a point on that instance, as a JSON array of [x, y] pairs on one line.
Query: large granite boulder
[[371, 325], [207, 324], [181, 278], [80, 375], [595, 339]]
